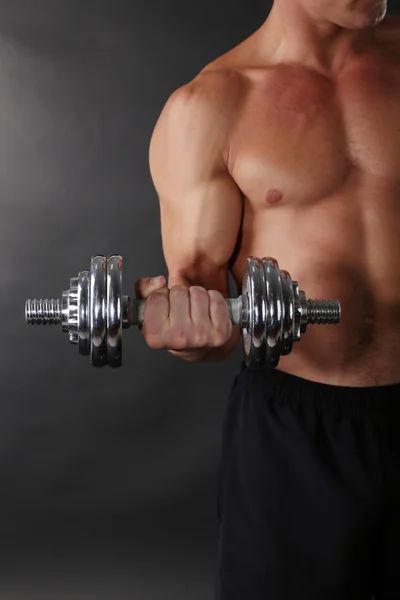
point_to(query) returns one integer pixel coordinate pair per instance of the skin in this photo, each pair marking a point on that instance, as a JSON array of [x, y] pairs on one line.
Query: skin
[[287, 146]]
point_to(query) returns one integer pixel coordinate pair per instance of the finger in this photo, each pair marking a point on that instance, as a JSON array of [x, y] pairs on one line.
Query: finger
[[179, 317], [155, 317], [221, 322], [147, 285], [200, 315]]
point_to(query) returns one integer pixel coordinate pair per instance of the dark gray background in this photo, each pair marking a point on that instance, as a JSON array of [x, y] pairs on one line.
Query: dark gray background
[[108, 479]]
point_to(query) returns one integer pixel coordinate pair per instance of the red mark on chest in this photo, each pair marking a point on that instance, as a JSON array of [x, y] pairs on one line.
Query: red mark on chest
[[274, 196]]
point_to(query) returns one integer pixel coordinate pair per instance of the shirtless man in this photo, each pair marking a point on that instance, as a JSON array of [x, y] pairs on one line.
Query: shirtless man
[[289, 146]]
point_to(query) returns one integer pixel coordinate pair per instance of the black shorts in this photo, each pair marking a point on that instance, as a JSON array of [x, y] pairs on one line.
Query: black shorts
[[309, 491]]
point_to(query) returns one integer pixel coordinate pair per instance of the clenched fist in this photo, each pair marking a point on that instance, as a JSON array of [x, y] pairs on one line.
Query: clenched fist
[[182, 318]]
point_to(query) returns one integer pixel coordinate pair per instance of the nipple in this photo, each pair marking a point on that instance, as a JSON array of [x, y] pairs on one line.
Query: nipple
[[274, 196]]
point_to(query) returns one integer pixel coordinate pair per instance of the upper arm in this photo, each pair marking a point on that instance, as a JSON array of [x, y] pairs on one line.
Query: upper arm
[[200, 204]]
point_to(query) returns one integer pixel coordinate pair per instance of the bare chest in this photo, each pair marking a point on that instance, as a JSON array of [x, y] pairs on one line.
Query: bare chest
[[302, 137]]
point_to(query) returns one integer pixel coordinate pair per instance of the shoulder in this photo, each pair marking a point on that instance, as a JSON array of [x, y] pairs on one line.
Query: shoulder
[[204, 111], [205, 106], [216, 90], [387, 33], [198, 118]]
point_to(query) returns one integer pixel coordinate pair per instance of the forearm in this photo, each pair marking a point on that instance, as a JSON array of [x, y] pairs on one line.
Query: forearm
[[210, 354]]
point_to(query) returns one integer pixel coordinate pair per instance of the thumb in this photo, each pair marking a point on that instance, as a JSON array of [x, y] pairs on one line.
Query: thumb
[[147, 285]]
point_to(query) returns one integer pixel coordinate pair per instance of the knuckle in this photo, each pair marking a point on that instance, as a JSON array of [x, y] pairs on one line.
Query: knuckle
[[197, 289], [178, 338], [178, 289], [215, 295], [220, 339], [153, 340], [200, 338], [157, 299]]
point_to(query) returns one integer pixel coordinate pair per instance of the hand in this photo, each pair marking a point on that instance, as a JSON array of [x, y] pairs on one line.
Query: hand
[[182, 318]]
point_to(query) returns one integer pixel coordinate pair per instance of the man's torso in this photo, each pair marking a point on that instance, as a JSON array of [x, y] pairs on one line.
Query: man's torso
[[318, 162]]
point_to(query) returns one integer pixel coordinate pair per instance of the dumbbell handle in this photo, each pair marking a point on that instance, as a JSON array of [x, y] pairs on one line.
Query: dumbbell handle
[[237, 308], [319, 312]]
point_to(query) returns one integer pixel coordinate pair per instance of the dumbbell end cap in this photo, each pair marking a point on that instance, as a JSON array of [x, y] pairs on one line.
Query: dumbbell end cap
[[43, 312], [323, 312]]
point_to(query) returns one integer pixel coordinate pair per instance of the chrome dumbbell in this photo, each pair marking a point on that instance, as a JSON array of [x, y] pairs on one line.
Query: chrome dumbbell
[[272, 312]]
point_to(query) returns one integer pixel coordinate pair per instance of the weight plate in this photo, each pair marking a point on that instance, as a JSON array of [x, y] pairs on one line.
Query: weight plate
[[297, 311], [288, 312], [114, 310], [84, 312], [254, 332], [303, 318], [98, 297], [275, 310], [73, 309]]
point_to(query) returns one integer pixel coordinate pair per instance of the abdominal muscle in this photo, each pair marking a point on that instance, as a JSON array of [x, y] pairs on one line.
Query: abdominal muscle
[[347, 248]]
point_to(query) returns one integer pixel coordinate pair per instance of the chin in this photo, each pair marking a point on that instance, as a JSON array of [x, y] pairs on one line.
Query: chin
[[365, 20], [368, 17], [375, 15]]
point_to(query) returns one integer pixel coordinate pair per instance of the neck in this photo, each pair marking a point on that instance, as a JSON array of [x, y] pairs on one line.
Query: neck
[[293, 35]]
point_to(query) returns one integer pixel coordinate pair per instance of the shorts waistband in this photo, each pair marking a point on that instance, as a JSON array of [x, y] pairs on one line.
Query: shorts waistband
[[287, 384]]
